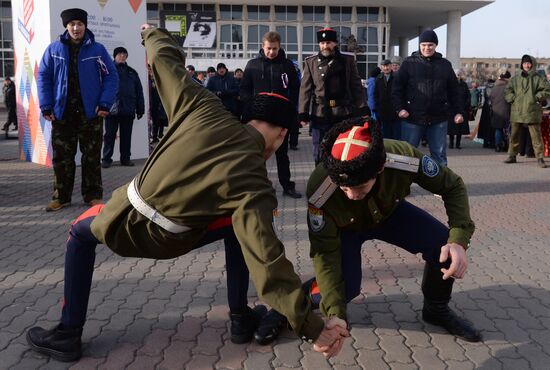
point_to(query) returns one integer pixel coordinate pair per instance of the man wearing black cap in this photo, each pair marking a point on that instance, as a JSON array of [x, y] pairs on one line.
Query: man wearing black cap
[[77, 85], [206, 180], [129, 104], [191, 70], [425, 94], [330, 90], [527, 92], [225, 87], [385, 111], [358, 194]]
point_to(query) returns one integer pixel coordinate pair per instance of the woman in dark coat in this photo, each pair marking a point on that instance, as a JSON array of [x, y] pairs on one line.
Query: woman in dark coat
[[500, 120], [457, 130], [485, 131]]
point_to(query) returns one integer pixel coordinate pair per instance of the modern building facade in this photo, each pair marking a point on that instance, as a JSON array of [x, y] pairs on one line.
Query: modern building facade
[[376, 25]]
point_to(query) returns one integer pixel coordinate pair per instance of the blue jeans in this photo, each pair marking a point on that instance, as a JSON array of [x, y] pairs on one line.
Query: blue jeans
[[436, 134], [499, 137]]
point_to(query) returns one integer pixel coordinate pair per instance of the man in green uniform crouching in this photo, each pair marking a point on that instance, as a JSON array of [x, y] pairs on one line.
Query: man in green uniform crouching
[[204, 180], [358, 193]]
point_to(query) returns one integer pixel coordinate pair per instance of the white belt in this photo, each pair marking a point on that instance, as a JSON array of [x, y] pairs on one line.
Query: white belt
[[152, 214]]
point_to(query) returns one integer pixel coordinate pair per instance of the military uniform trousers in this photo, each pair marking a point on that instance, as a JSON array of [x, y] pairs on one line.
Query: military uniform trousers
[[536, 139], [422, 234], [74, 129], [80, 259]]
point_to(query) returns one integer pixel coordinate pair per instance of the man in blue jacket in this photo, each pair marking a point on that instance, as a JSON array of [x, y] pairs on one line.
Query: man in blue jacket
[[77, 84], [129, 103]]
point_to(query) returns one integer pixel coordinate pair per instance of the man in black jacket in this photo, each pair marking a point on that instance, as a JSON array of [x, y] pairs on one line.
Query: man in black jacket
[[129, 103], [391, 125], [425, 94], [272, 72]]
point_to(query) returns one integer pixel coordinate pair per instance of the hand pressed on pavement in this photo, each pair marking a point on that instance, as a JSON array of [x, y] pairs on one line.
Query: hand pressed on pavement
[[332, 337], [459, 261]]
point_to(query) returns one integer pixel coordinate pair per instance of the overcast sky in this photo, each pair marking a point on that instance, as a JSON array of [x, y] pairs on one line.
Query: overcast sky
[[505, 28]]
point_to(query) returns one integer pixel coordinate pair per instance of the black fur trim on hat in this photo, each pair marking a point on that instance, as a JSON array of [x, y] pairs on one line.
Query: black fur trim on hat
[[74, 14], [327, 34], [272, 108], [360, 169]]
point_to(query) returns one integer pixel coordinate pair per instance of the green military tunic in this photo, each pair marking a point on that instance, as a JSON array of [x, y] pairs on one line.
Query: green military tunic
[[330, 211], [207, 166]]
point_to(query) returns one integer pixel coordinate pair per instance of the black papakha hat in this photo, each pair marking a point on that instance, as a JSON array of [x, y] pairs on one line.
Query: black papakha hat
[[119, 50], [327, 34], [272, 108], [74, 14], [428, 36], [361, 168]]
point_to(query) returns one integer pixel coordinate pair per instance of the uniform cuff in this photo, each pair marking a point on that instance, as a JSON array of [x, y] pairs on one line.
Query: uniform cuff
[[459, 236], [311, 328], [338, 311]]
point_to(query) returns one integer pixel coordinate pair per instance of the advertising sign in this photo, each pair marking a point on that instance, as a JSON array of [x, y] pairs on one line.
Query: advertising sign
[[192, 29]]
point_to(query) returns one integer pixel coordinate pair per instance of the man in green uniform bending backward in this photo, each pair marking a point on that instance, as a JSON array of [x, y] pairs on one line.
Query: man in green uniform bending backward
[[358, 193], [208, 167]]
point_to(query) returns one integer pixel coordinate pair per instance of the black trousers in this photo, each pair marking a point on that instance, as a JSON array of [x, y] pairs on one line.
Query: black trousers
[[124, 126], [80, 259], [283, 165]]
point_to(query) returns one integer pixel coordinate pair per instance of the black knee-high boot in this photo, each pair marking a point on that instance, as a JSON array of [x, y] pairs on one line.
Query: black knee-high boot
[[436, 311]]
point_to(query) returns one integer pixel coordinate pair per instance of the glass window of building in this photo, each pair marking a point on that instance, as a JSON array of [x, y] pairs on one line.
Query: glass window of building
[[231, 40], [309, 40], [367, 14], [203, 7], [5, 9], [258, 13], [231, 12], [343, 34], [173, 6], [152, 11], [340, 13], [255, 34], [289, 40], [368, 37], [313, 13], [286, 13]]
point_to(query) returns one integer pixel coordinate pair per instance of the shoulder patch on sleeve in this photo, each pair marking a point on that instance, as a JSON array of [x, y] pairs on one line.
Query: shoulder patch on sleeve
[[402, 162], [315, 218], [323, 192], [430, 167]]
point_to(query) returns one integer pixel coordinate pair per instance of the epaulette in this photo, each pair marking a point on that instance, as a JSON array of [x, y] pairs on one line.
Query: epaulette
[[323, 192], [402, 162], [311, 56]]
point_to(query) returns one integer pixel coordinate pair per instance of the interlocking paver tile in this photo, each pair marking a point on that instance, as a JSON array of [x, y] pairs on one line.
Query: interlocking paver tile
[[172, 314]]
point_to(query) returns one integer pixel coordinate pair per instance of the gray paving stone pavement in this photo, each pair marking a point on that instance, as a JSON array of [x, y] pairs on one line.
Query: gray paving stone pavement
[[147, 314]]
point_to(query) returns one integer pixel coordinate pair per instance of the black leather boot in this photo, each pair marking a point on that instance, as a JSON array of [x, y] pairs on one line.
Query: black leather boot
[[58, 343], [436, 311], [244, 324], [270, 327]]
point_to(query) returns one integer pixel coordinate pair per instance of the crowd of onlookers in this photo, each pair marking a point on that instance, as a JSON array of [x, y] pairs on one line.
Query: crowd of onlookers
[[419, 99]]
